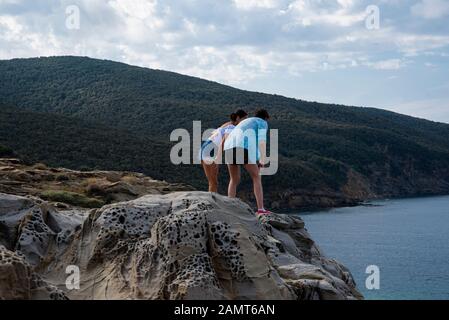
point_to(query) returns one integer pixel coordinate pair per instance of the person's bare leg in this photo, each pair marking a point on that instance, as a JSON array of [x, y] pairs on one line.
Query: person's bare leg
[[211, 171], [213, 178], [254, 172], [234, 180]]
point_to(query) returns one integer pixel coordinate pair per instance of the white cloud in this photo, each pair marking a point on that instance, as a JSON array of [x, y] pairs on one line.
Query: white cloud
[[10, 27], [140, 9], [300, 43], [414, 44], [308, 12], [230, 41], [431, 9], [252, 4], [391, 64]]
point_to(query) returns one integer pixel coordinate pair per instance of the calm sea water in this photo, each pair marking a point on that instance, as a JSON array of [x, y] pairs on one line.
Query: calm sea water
[[407, 239]]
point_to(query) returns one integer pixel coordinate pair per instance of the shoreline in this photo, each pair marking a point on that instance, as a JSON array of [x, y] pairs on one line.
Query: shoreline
[[364, 203]]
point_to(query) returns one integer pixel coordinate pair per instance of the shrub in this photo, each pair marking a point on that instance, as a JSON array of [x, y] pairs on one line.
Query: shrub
[[40, 166], [94, 189], [62, 177], [130, 179], [6, 152], [113, 177], [72, 198]]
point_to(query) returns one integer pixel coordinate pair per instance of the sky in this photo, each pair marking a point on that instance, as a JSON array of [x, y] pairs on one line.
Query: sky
[[387, 54]]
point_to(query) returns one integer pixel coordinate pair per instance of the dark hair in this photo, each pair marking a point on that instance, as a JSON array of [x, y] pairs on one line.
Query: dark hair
[[238, 114], [241, 113], [262, 114]]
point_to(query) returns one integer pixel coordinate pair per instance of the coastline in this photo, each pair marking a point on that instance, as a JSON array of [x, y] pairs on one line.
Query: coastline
[[357, 203]]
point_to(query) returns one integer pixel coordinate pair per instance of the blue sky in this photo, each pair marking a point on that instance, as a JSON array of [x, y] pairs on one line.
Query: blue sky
[[318, 50]]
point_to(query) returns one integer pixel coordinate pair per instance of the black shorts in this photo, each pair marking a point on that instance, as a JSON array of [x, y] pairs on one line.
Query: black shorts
[[237, 156]]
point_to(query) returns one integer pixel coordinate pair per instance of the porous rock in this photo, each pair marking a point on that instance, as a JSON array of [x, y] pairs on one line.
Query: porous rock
[[185, 245]]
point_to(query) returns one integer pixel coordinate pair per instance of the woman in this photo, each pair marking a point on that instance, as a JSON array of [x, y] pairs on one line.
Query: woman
[[212, 150], [246, 146]]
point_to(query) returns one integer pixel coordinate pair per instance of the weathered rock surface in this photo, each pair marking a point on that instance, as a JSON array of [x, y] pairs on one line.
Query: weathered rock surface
[[18, 281], [186, 245]]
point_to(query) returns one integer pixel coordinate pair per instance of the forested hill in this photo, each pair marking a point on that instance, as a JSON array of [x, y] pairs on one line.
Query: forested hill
[[330, 154], [62, 141], [5, 152]]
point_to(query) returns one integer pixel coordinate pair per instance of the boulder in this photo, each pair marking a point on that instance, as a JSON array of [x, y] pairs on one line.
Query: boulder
[[19, 282], [185, 245]]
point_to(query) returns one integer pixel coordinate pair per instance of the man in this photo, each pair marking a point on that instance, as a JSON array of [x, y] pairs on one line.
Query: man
[[246, 146]]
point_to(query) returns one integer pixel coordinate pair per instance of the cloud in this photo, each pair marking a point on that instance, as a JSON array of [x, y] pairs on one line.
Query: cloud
[[247, 36], [235, 42], [339, 13], [139, 9], [391, 64], [252, 4], [431, 9]]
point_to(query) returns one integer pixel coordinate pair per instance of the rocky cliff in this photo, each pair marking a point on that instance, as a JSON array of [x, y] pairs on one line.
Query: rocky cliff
[[184, 245]]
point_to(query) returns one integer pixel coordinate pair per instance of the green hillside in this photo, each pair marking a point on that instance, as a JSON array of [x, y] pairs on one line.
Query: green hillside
[[5, 152], [66, 142], [330, 154]]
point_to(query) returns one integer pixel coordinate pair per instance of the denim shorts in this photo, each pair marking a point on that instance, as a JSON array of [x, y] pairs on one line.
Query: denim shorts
[[207, 151]]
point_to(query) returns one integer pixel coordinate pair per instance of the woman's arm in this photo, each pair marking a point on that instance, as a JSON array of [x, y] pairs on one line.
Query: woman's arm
[[218, 158], [263, 153], [226, 124]]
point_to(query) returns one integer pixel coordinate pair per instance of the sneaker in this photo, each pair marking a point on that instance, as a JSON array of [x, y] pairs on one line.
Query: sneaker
[[264, 212]]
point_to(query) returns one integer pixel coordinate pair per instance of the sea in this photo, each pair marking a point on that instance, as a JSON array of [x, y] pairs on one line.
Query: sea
[[395, 249]]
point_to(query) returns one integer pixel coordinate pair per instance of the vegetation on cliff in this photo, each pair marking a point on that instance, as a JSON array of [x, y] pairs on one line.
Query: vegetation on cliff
[[84, 189]]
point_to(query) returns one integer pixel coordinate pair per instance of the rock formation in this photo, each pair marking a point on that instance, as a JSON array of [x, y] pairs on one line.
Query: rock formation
[[185, 245], [78, 188]]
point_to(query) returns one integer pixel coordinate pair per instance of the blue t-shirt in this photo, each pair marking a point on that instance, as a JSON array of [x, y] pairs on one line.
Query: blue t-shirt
[[247, 135]]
